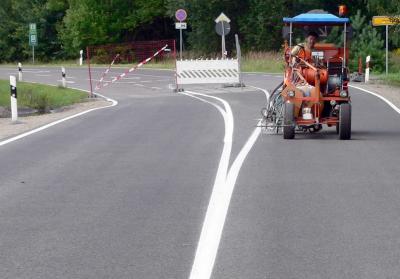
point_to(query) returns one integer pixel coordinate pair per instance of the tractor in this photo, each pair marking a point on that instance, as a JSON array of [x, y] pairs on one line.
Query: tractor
[[314, 91]]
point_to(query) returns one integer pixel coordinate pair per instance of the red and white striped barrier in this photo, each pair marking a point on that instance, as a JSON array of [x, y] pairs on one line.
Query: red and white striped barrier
[[105, 73], [133, 68]]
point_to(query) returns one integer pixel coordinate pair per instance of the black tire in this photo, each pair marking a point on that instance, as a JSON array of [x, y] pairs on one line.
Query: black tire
[[337, 128], [345, 121], [288, 121]]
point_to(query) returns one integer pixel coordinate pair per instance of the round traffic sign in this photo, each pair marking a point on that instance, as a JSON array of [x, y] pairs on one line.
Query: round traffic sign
[[180, 15], [222, 28]]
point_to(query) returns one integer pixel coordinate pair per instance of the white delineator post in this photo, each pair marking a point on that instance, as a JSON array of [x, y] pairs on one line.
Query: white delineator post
[[63, 75], [19, 71], [14, 105], [81, 57], [367, 68]]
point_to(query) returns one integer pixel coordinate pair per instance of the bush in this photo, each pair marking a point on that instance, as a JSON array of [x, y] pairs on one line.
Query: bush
[[366, 41]]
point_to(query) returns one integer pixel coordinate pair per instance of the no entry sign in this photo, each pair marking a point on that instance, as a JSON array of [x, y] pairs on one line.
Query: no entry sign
[[181, 15]]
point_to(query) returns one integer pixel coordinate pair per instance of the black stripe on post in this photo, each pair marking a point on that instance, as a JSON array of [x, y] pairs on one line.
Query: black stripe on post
[[13, 91]]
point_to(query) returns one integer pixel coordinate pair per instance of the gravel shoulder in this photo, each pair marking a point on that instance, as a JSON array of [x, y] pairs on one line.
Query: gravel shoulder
[[392, 93], [24, 124]]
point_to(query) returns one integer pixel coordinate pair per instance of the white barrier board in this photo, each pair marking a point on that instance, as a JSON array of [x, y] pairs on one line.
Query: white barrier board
[[207, 71]]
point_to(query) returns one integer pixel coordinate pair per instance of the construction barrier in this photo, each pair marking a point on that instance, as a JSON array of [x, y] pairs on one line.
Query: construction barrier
[[224, 71]]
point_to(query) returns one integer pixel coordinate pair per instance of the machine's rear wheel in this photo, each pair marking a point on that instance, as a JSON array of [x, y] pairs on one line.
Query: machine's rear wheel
[[288, 121], [345, 121]]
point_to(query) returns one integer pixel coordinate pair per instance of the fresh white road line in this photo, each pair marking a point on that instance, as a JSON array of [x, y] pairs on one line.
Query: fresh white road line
[[34, 131], [213, 224], [228, 138], [32, 71], [135, 78], [224, 184], [156, 88], [125, 82], [266, 93], [393, 106], [146, 75], [67, 81], [39, 75]]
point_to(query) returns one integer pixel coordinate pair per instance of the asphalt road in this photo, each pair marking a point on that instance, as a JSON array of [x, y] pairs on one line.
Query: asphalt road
[[123, 192]]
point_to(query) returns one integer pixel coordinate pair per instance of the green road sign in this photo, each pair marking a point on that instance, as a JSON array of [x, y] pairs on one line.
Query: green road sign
[[33, 40], [32, 27]]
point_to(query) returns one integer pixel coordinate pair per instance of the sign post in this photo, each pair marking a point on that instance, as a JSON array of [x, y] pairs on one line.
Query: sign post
[[33, 39], [63, 78], [13, 96], [19, 71], [386, 21], [367, 60], [222, 28], [181, 16], [81, 57]]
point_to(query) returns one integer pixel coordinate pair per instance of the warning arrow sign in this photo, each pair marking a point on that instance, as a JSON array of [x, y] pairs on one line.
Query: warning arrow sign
[[222, 17], [385, 20]]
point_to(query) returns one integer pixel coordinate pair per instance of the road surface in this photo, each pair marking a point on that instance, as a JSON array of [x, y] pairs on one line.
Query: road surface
[[140, 190]]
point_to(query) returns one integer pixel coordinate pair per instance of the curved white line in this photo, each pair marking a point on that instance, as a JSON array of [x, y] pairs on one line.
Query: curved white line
[[228, 137], [218, 206], [23, 135], [266, 93], [393, 106], [211, 232], [208, 102]]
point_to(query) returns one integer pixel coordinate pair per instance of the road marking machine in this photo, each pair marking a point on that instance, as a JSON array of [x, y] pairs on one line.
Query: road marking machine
[[314, 91]]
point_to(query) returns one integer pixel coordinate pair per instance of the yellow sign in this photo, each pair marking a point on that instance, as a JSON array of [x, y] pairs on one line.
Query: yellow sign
[[385, 20]]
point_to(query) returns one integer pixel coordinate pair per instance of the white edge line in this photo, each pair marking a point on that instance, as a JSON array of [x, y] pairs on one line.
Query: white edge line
[[393, 106], [36, 130]]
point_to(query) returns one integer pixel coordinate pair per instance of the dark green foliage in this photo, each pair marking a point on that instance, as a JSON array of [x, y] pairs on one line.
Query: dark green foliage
[[66, 26], [367, 41], [15, 16]]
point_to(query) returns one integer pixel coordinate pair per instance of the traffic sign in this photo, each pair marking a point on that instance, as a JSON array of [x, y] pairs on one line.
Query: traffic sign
[[33, 40], [32, 27], [180, 25], [222, 28], [222, 17], [385, 20], [181, 15]]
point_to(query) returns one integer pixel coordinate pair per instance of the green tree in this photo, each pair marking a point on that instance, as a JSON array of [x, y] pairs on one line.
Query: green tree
[[261, 27], [92, 22], [366, 41], [15, 16]]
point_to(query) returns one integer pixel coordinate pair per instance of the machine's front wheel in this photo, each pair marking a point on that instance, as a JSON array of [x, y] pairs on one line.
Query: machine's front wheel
[[288, 121], [345, 121]]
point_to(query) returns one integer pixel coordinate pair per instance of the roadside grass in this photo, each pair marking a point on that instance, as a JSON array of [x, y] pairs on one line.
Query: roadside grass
[[40, 97], [390, 79], [270, 62], [393, 78]]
